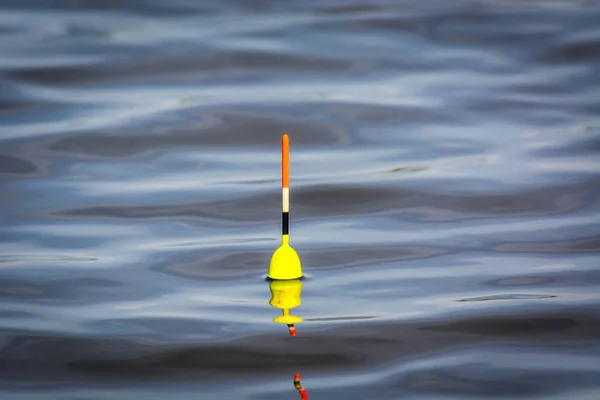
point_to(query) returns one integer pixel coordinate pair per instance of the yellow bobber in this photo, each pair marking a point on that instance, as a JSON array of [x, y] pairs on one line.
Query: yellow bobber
[[285, 263]]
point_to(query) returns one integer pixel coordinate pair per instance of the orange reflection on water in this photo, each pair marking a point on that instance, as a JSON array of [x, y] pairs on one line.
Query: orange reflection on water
[[300, 388]]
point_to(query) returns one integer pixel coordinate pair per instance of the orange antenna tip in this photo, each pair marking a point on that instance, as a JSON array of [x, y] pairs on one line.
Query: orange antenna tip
[[285, 161]]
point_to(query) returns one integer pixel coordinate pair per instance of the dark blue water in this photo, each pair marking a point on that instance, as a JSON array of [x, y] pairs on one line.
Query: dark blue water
[[445, 199]]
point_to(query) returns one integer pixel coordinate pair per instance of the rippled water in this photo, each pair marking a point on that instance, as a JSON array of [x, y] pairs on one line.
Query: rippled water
[[445, 199]]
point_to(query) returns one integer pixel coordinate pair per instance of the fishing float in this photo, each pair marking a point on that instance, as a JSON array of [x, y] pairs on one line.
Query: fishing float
[[285, 263]]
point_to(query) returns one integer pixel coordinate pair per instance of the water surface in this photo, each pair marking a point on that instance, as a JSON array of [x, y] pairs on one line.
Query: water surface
[[445, 199]]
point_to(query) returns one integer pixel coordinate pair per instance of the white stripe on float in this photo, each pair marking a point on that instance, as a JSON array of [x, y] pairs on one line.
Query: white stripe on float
[[285, 199]]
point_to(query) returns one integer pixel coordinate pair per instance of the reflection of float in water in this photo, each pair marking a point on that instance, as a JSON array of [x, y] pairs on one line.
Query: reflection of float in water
[[286, 295], [298, 386]]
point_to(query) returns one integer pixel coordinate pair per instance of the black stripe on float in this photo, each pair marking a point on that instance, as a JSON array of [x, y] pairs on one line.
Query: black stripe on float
[[286, 223]]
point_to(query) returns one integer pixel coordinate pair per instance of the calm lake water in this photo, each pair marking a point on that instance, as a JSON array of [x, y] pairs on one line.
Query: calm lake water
[[445, 199]]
